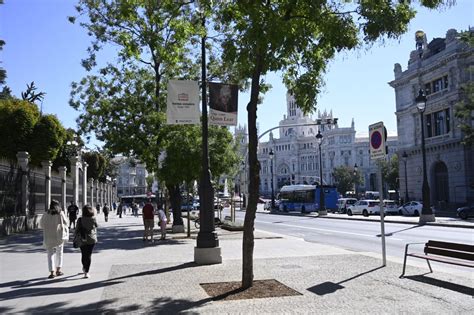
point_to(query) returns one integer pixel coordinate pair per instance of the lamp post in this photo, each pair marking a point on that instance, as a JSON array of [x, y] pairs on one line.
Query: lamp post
[[426, 213], [322, 206], [405, 159], [271, 154], [355, 179]]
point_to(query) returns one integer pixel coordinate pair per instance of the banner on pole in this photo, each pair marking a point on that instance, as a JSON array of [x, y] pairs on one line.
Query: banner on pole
[[223, 103], [182, 104]]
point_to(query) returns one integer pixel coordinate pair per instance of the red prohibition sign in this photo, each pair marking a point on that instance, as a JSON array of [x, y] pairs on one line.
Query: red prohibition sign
[[376, 139]]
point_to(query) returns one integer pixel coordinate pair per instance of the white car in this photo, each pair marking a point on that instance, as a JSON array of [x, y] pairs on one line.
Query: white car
[[411, 208], [390, 207], [365, 207]]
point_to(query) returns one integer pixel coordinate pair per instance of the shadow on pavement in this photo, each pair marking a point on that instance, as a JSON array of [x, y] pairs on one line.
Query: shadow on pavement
[[170, 306], [36, 289], [443, 284], [331, 287]]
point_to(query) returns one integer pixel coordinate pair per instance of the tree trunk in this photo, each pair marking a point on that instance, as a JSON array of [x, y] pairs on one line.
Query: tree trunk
[[254, 171], [175, 200]]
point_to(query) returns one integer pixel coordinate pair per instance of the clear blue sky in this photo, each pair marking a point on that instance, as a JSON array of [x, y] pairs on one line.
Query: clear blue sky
[[42, 46]]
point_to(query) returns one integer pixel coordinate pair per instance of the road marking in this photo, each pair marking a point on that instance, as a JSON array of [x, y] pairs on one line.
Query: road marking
[[334, 231]]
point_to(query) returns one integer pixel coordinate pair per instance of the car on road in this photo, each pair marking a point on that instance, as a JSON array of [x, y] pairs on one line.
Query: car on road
[[390, 207], [344, 203], [465, 212], [365, 207], [411, 208]]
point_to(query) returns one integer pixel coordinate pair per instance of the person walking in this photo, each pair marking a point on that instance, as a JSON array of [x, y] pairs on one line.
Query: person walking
[[148, 214], [106, 211], [87, 226], [119, 210], [72, 211], [162, 219], [55, 233]]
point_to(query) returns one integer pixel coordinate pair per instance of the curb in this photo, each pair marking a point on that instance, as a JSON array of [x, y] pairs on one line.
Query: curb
[[464, 226]]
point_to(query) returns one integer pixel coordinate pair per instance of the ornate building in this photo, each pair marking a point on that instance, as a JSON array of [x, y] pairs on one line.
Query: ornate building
[[131, 176], [439, 68], [296, 152]]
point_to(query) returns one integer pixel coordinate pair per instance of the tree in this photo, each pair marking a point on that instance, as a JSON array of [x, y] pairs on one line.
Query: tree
[[390, 173], [96, 164], [17, 120], [464, 110], [297, 38], [46, 139], [30, 95], [345, 178], [152, 39], [183, 155]]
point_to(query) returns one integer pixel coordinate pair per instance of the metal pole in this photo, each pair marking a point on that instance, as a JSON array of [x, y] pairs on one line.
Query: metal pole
[[207, 237], [271, 182], [382, 215], [426, 213], [406, 182], [322, 205]]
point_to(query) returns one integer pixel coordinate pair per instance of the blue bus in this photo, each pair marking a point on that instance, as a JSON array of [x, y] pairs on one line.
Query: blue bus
[[305, 198]]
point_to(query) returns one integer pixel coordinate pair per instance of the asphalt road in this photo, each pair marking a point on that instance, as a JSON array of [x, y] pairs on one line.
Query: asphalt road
[[360, 236]]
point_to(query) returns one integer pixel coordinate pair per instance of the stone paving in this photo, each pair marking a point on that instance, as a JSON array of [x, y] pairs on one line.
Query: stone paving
[[129, 276]]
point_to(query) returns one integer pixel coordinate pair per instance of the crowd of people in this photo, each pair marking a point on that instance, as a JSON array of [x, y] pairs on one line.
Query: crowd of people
[[57, 223]]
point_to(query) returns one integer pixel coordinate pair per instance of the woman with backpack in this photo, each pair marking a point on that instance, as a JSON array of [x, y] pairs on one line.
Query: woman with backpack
[[87, 228]]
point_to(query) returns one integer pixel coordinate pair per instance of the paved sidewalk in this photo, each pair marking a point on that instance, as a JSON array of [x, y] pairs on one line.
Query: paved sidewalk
[[129, 276]]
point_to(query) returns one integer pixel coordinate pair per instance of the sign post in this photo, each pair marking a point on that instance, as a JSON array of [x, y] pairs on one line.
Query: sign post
[[377, 137]]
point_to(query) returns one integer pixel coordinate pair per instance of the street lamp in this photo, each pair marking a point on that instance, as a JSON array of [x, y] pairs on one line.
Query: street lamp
[[355, 179], [426, 213], [405, 159], [271, 154], [322, 207]]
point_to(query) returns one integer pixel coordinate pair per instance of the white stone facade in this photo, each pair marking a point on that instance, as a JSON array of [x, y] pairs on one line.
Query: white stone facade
[[296, 152], [439, 68], [131, 176]]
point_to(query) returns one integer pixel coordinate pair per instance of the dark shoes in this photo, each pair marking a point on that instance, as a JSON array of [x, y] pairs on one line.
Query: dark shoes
[[59, 273], [51, 276]]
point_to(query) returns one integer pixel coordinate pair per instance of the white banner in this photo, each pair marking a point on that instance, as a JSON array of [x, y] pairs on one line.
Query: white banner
[[182, 104], [223, 104]]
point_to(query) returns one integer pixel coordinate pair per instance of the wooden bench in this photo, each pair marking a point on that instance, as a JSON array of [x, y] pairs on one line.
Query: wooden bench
[[444, 252]]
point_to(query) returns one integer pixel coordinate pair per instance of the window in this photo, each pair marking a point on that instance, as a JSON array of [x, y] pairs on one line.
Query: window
[[438, 123], [437, 85]]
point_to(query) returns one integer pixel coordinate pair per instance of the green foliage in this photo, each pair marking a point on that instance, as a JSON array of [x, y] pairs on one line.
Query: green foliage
[[346, 179], [96, 164], [17, 120], [30, 95], [46, 140], [464, 110], [71, 144], [390, 172], [3, 72]]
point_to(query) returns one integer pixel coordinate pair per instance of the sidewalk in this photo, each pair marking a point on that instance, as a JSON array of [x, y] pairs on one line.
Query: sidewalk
[[129, 276]]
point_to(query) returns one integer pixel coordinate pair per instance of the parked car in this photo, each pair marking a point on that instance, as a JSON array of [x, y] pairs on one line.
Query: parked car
[[390, 207], [365, 207], [465, 212], [344, 203], [411, 208]]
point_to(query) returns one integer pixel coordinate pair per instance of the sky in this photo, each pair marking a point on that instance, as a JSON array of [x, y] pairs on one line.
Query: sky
[[42, 46]]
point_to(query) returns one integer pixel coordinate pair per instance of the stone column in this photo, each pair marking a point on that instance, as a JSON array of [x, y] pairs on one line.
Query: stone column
[[75, 179], [63, 172], [23, 158], [97, 192], [84, 183], [102, 199], [47, 183], [92, 192]]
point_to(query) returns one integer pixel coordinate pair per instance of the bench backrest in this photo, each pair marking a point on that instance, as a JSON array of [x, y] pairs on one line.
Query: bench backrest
[[455, 250]]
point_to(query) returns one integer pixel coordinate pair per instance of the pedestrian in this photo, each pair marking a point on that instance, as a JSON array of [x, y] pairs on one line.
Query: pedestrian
[[114, 206], [119, 210], [106, 210], [162, 219], [87, 227], [135, 209], [55, 233], [72, 211], [148, 214], [97, 206]]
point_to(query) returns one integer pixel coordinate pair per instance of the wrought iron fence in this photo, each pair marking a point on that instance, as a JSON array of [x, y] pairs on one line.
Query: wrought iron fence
[[10, 190]]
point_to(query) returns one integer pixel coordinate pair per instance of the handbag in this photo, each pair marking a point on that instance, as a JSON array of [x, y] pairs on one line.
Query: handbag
[[79, 236], [64, 230]]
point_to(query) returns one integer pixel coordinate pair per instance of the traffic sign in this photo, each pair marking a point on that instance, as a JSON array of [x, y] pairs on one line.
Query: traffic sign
[[377, 137]]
